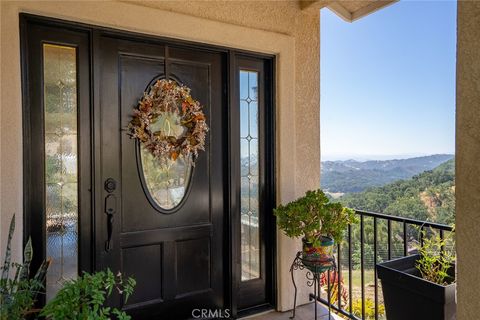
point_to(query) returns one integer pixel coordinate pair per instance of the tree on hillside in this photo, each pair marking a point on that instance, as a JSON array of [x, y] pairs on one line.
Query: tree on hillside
[[426, 196]]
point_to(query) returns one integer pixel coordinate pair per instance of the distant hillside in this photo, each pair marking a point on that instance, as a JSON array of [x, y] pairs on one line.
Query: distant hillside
[[356, 176], [426, 196]]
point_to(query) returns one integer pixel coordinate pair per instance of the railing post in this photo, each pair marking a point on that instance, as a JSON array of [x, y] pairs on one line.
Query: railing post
[[422, 230], [389, 238], [362, 264], [442, 248], [339, 276], [350, 268], [375, 265]]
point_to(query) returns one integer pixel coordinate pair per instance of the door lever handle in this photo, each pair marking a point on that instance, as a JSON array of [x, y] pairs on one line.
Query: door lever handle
[[108, 243], [110, 210]]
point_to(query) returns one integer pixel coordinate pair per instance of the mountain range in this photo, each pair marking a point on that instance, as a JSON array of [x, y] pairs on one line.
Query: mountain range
[[428, 196], [351, 176]]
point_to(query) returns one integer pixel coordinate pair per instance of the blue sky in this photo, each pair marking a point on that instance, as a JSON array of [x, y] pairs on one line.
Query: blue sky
[[388, 82]]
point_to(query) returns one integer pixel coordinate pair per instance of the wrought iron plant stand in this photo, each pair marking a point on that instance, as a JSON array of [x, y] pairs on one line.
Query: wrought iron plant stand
[[313, 274]]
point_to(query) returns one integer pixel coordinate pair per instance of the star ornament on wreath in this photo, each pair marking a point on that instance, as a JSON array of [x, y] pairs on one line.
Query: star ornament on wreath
[[169, 122]]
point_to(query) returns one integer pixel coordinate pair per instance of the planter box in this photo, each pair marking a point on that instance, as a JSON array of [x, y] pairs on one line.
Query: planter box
[[407, 296]]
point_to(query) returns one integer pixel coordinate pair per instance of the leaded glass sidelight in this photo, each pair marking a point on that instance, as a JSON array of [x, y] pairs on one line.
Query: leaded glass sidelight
[[250, 236], [61, 164]]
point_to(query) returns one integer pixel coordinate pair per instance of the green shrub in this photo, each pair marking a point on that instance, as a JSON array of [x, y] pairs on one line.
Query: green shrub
[[313, 216], [84, 298], [435, 262], [369, 308]]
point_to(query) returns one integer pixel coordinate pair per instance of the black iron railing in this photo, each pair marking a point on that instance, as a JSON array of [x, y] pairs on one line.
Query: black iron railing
[[375, 238]]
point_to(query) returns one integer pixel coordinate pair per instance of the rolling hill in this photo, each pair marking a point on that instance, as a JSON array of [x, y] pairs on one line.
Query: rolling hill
[[429, 195], [356, 176]]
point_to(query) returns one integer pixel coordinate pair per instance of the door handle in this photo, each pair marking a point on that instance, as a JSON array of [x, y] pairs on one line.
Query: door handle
[[110, 210]]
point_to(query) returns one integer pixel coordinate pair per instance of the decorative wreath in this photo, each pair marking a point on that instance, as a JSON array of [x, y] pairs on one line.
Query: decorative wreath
[[169, 122]]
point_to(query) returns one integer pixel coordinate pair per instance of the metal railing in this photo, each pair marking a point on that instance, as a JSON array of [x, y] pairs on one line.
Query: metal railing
[[398, 234]]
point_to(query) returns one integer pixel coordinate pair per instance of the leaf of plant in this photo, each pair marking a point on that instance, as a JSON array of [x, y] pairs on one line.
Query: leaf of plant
[[8, 252], [27, 259]]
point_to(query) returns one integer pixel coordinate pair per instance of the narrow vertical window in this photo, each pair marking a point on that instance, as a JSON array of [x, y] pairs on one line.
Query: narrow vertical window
[[250, 237], [61, 164]]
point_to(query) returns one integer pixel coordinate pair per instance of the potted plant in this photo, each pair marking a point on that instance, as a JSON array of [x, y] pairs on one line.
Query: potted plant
[[82, 298], [319, 222], [421, 286], [19, 288]]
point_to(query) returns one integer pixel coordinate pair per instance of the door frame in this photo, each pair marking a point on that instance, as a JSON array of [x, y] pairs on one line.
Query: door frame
[[31, 151], [265, 68], [33, 140]]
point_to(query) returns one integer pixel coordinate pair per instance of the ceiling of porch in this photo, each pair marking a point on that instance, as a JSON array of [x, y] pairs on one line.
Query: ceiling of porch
[[348, 10]]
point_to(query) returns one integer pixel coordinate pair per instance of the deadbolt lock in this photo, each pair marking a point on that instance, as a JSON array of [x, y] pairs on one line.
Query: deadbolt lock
[[110, 185]]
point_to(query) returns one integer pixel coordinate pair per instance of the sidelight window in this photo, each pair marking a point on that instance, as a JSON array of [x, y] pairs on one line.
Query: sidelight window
[[249, 162], [61, 163]]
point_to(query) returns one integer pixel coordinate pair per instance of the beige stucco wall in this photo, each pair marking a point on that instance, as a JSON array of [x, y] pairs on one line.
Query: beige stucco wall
[[276, 27], [468, 160]]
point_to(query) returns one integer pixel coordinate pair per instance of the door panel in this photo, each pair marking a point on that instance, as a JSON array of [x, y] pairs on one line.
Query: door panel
[[137, 74], [145, 274], [176, 255], [193, 252]]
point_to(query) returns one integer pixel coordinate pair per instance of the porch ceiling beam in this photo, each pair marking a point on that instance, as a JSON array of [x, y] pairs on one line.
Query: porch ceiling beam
[[341, 7], [311, 5], [371, 8], [340, 11]]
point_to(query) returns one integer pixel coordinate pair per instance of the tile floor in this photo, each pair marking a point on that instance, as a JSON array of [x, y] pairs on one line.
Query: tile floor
[[305, 312]]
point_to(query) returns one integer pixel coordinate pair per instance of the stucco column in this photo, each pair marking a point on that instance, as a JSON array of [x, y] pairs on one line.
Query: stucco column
[[467, 160], [306, 128]]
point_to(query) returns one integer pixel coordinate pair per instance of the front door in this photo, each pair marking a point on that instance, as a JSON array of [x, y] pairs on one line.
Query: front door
[[163, 226], [195, 238]]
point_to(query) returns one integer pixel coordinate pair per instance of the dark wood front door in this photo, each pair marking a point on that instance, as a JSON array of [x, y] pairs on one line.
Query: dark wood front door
[[175, 254], [193, 239]]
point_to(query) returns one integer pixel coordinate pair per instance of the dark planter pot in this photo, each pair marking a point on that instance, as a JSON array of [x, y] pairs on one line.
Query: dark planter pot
[[318, 258], [407, 296]]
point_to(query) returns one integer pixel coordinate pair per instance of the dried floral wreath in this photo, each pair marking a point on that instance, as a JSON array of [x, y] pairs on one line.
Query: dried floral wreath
[[169, 122]]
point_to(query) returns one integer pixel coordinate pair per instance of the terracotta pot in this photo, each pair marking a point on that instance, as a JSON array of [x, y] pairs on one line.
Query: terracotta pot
[[318, 258]]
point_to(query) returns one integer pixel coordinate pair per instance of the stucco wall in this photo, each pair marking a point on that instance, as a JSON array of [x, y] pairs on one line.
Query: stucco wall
[[467, 160], [278, 17], [277, 27]]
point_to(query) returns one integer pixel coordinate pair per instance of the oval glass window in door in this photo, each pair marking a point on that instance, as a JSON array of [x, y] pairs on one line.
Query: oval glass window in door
[[167, 183]]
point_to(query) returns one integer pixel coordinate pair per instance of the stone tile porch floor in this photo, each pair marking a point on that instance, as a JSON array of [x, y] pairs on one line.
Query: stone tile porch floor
[[305, 312]]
